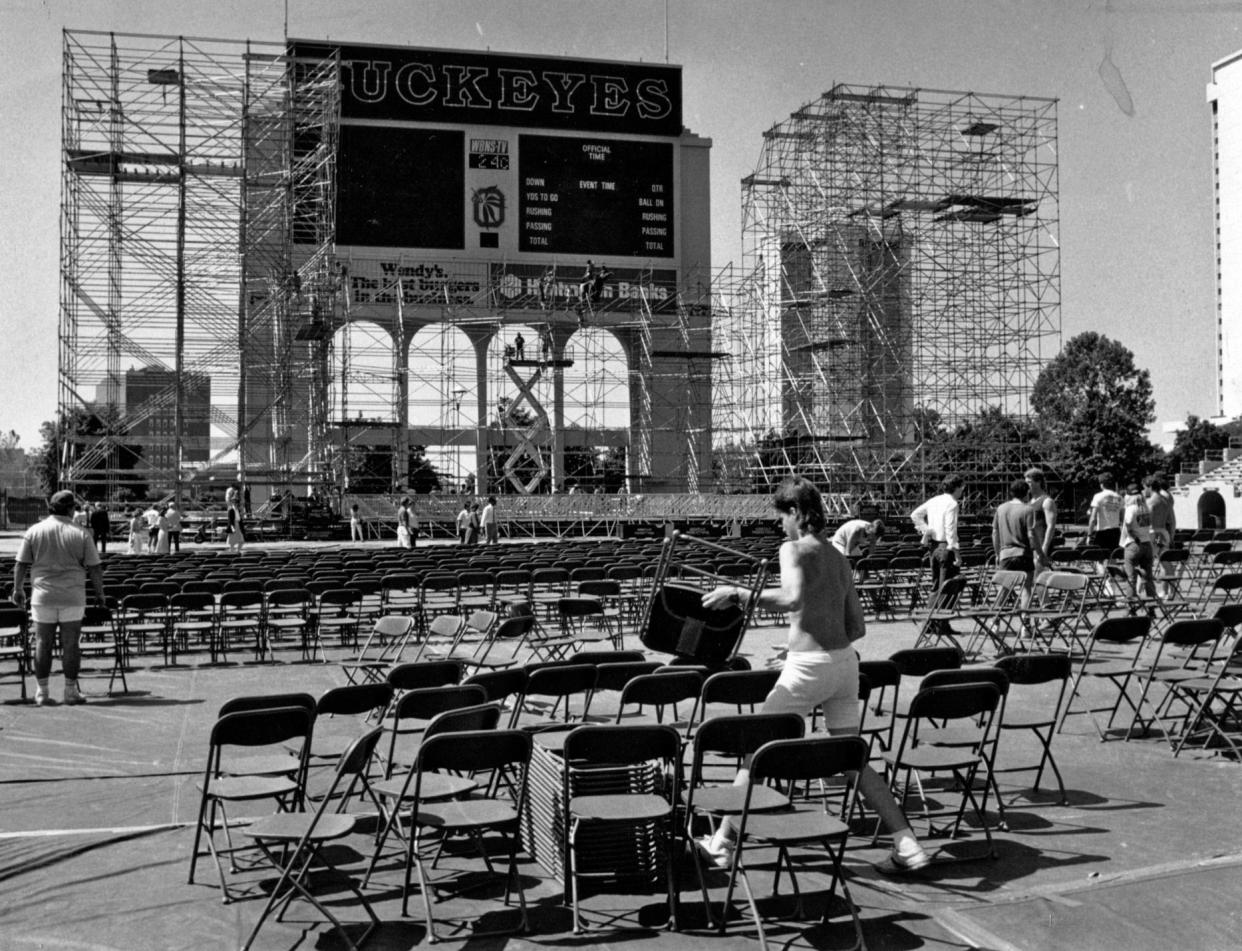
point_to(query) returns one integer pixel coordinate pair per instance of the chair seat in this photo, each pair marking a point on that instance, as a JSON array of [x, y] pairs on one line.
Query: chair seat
[[722, 800], [619, 808], [794, 826], [1115, 668], [291, 826], [241, 788], [955, 735], [267, 764], [1017, 720], [464, 814], [286, 623], [1226, 685], [435, 786], [1176, 675], [932, 758]]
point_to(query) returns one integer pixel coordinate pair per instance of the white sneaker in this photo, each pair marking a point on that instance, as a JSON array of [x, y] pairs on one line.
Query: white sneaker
[[41, 697], [73, 696], [718, 857], [910, 858]]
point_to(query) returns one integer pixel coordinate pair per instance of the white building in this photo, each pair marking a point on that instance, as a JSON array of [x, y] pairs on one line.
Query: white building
[[1224, 94]]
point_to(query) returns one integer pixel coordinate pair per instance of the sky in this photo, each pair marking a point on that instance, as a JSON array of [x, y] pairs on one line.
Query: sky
[[1135, 142]]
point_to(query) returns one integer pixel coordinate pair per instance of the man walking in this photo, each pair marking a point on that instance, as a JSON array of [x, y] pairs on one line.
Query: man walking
[[491, 533], [936, 521], [1044, 519], [57, 556], [100, 526], [1104, 515], [1011, 536]]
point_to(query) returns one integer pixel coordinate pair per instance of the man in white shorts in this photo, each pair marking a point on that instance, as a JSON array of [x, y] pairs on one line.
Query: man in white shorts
[[58, 556]]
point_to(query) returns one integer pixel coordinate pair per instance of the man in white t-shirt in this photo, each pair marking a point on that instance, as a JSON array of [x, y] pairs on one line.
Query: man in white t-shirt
[[58, 556], [1104, 514], [936, 521], [491, 533], [858, 537]]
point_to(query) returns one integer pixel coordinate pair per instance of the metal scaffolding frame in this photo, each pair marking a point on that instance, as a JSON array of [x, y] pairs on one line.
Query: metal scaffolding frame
[[197, 279], [900, 275]]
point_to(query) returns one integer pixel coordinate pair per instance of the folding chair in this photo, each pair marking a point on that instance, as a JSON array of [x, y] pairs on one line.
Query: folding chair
[[787, 763], [995, 623], [349, 703], [1112, 654], [1188, 636], [443, 631], [934, 626], [1034, 670], [397, 792], [611, 675], [721, 744], [15, 642], [471, 753], [249, 729], [476, 590], [505, 687], [513, 631], [555, 684], [193, 617], [1213, 701], [412, 710], [293, 842], [101, 637], [878, 719], [660, 690], [381, 650], [436, 595], [338, 610], [583, 621], [288, 613], [936, 707], [142, 616], [649, 807], [1057, 612], [476, 630], [238, 613]]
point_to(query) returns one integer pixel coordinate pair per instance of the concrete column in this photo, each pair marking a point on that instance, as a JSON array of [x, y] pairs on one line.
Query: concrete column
[[481, 341], [556, 420], [401, 376]]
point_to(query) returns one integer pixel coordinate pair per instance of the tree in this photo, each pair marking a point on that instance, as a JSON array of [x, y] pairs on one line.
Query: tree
[[1094, 407], [1197, 439], [10, 440]]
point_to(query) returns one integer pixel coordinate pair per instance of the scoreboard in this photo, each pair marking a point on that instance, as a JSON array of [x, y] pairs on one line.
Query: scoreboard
[[493, 156], [595, 196]]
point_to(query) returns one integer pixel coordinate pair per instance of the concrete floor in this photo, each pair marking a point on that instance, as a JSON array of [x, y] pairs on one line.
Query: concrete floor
[[97, 805]]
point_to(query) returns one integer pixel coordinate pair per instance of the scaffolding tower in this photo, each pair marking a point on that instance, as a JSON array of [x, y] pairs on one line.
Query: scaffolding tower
[[900, 276], [197, 279]]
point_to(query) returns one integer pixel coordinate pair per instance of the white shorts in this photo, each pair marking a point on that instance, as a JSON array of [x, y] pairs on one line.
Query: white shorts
[[41, 614], [811, 678]]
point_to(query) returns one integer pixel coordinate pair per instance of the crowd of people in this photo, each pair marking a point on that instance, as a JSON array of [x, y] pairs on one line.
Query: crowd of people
[[1139, 522]]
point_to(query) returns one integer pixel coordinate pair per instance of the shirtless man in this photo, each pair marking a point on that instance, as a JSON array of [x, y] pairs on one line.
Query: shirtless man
[[821, 665]]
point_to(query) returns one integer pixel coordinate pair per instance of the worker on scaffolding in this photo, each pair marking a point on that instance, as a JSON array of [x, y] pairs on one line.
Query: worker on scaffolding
[[519, 346]]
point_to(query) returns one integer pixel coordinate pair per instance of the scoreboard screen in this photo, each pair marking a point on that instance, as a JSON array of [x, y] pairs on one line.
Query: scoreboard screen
[[607, 197], [400, 187]]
